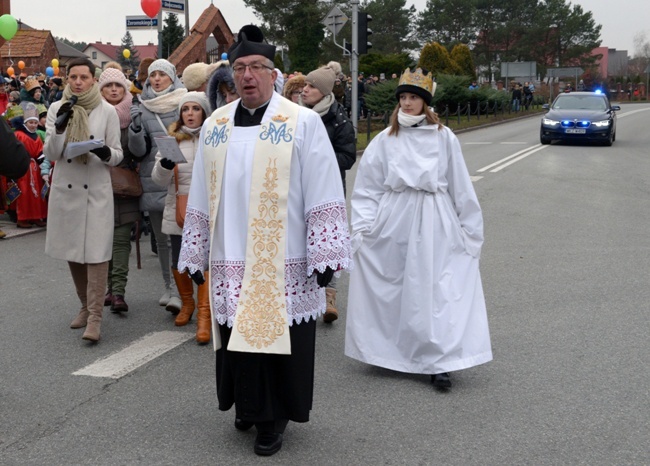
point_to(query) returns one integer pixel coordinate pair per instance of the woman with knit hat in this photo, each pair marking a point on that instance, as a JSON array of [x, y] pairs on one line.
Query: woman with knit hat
[[80, 209], [317, 94], [416, 300], [194, 109], [157, 109], [114, 88], [30, 207]]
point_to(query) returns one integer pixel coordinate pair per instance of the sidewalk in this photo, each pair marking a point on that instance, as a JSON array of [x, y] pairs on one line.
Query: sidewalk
[[13, 231]]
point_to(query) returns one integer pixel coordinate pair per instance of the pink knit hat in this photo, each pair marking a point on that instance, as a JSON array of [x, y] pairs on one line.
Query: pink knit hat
[[111, 75]]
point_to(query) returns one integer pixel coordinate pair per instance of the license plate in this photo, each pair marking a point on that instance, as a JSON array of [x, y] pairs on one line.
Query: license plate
[[576, 131]]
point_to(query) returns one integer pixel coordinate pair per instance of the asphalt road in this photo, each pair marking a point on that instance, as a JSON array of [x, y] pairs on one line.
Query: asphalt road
[[565, 269]]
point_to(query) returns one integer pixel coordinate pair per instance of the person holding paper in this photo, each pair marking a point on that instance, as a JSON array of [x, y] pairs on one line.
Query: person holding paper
[[266, 215], [176, 177], [156, 110], [80, 210]]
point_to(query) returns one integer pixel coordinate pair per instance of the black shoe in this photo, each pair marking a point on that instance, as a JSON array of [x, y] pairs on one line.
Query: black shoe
[[242, 425], [441, 381], [268, 443]]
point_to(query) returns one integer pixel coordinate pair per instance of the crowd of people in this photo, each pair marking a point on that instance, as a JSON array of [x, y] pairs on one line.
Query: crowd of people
[[259, 227]]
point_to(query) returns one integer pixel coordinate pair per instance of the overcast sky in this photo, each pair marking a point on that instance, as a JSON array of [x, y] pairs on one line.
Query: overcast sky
[[93, 20]]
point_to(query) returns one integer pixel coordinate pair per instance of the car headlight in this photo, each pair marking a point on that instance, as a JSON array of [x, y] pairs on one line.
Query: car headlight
[[547, 122], [601, 123]]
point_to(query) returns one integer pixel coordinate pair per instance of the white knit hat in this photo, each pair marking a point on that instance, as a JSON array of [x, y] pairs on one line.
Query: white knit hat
[[164, 66], [198, 97], [197, 74]]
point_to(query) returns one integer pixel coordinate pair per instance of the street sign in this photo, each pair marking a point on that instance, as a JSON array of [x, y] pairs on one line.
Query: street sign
[[564, 72], [174, 6], [335, 20], [141, 22], [519, 69]]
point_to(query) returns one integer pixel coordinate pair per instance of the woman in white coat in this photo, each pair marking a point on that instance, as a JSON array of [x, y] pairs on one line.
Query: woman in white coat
[[194, 109], [80, 210], [416, 301]]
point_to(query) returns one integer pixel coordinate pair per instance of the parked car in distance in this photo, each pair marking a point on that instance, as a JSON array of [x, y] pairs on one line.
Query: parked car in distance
[[580, 116]]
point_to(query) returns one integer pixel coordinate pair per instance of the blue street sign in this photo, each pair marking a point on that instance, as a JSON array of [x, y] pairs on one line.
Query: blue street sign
[[170, 5], [141, 22]]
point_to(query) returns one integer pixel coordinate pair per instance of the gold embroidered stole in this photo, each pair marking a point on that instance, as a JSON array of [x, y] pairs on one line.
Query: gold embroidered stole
[[261, 324]]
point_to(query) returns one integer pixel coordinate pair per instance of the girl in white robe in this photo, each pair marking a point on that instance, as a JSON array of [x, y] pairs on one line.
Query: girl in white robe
[[416, 301]]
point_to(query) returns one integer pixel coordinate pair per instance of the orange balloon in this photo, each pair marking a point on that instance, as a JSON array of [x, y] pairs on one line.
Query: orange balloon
[[10, 71], [21, 64], [56, 70]]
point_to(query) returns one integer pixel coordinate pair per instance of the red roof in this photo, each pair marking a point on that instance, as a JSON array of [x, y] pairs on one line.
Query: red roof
[[26, 43], [144, 51]]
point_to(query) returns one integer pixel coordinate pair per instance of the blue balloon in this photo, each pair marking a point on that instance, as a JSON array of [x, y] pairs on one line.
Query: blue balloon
[[224, 56], [49, 71]]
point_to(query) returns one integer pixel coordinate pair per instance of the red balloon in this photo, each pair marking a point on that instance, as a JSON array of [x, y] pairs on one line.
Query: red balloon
[[151, 7]]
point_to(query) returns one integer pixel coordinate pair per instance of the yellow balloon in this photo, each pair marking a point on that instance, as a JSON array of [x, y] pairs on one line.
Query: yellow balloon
[[126, 53], [55, 63]]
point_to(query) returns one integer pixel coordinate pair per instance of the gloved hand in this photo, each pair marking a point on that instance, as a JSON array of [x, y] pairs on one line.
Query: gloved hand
[[324, 278], [167, 164], [136, 118], [197, 277], [66, 107], [104, 153]]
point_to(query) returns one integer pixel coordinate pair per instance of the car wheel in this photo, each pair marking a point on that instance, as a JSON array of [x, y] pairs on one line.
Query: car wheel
[[614, 138], [544, 139], [610, 139]]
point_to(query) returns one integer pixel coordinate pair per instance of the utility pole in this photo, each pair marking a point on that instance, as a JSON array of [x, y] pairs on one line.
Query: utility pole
[[160, 42], [354, 63]]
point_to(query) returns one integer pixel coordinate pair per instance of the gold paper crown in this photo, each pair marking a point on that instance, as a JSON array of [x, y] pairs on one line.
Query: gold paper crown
[[222, 121], [417, 79], [279, 118]]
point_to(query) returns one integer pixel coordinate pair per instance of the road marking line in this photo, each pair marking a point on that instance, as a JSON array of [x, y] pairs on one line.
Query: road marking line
[[623, 115], [140, 352], [513, 142], [518, 159], [475, 178], [499, 162], [476, 143]]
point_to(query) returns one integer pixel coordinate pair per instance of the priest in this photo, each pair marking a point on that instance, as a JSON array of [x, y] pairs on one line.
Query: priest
[[266, 224]]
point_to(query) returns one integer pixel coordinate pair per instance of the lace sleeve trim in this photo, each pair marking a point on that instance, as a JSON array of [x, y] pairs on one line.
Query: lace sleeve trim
[[328, 237], [195, 246]]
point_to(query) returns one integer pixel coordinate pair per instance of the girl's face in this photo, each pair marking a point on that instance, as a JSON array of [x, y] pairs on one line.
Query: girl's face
[[192, 115], [411, 104], [113, 93], [31, 125], [42, 121], [310, 95], [37, 94]]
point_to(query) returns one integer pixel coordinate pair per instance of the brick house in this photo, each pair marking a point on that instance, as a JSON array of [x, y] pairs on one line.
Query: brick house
[[101, 53], [36, 48]]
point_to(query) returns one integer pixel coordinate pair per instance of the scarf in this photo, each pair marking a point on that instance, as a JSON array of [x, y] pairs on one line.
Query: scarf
[[191, 131], [324, 105], [164, 101], [77, 129], [123, 110], [405, 120]]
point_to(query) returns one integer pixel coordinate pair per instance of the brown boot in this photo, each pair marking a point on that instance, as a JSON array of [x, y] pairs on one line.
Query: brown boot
[[80, 279], [97, 275], [203, 319], [331, 314], [186, 292]]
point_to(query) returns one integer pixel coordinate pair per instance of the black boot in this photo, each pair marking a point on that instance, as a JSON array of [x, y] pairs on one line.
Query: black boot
[[441, 381]]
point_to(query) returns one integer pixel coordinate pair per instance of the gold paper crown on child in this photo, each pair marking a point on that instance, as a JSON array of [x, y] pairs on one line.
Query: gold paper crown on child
[[418, 79]]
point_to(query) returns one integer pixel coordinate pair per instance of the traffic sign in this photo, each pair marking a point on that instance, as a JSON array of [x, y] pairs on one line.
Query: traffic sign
[[173, 5], [335, 20], [564, 72], [141, 22]]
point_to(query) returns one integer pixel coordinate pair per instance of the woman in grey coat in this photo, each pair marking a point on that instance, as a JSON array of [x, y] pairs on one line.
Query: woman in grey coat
[[156, 110]]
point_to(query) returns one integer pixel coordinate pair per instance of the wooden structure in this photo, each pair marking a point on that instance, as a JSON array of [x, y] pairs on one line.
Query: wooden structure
[[193, 48]]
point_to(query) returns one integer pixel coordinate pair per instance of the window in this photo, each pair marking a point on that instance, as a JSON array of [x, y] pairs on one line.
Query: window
[[94, 55]]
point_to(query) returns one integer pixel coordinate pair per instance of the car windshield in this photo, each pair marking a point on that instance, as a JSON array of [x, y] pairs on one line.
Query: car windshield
[[580, 102]]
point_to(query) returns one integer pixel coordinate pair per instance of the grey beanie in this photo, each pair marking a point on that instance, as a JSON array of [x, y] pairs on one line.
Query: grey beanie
[[323, 78], [198, 97], [163, 66]]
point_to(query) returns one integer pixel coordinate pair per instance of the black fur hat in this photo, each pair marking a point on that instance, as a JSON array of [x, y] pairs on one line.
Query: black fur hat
[[223, 74]]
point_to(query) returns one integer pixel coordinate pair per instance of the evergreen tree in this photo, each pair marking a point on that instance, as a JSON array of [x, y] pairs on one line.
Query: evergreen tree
[[447, 22], [133, 61], [393, 30], [77, 45], [435, 58], [172, 35], [462, 56]]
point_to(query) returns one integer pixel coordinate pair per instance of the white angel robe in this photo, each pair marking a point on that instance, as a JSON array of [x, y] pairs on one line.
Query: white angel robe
[[317, 233], [416, 301]]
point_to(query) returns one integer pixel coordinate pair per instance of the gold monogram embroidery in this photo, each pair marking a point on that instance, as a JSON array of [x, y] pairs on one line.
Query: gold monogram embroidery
[[213, 191], [262, 321]]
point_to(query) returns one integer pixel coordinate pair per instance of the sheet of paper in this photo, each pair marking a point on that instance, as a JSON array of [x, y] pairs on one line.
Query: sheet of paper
[[75, 149], [168, 147]]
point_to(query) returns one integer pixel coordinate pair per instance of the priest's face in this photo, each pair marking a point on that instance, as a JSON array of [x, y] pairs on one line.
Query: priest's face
[[254, 78]]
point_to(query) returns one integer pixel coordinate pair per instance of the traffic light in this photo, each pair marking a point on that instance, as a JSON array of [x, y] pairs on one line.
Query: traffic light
[[364, 32], [348, 47]]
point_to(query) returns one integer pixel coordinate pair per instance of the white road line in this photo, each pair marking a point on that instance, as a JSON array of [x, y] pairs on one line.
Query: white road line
[[499, 162], [140, 352], [477, 143], [475, 178], [513, 142], [626, 114], [518, 159]]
